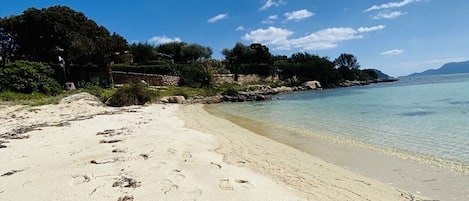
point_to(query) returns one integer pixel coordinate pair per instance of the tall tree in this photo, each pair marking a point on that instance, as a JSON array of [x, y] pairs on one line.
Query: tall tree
[[43, 35], [347, 60]]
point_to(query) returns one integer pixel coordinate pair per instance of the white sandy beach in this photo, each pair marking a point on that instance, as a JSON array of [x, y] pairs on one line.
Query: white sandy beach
[[81, 150]]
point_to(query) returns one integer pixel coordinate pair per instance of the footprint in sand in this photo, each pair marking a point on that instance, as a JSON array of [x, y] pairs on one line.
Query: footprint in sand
[[79, 179], [193, 194], [177, 174], [224, 184], [168, 186], [172, 151], [186, 156]]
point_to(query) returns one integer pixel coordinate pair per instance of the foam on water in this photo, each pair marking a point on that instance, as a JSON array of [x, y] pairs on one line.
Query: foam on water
[[425, 119]]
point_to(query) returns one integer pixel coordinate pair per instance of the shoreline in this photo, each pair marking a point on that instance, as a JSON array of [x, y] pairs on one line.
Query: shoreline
[[383, 165], [315, 178], [81, 150]]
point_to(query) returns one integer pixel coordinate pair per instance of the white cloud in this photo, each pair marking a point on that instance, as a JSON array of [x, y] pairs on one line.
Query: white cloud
[[280, 39], [298, 15], [270, 19], [388, 15], [390, 5], [218, 18], [325, 39], [240, 28], [269, 36], [163, 39], [270, 3], [369, 29], [392, 52]]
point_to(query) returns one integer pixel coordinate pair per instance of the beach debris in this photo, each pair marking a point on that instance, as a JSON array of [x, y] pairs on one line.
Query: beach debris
[[361, 181], [86, 178], [118, 150], [145, 156], [225, 185], [94, 190], [406, 195], [111, 132], [20, 133], [104, 161], [11, 172], [109, 141], [215, 164], [241, 181], [126, 198], [2, 144], [244, 183], [126, 182]]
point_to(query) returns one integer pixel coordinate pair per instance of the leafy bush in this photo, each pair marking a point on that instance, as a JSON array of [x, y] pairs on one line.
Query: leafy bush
[[200, 73], [132, 94], [28, 77]]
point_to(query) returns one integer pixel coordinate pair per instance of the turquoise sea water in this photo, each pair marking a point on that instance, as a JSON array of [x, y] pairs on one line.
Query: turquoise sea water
[[425, 117]]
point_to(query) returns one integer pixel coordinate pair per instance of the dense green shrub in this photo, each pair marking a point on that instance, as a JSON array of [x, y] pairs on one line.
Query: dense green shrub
[[132, 94], [200, 73], [28, 77]]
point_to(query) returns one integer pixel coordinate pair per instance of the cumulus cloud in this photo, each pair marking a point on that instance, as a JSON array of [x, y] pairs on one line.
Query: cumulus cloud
[[392, 52], [388, 15], [218, 18], [270, 3], [390, 5], [240, 28], [369, 29], [270, 19], [298, 15], [324, 39], [269, 36], [163, 39], [281, 39]]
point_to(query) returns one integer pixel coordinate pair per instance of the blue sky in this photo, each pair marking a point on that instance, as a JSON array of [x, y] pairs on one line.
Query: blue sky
[[398, 37]]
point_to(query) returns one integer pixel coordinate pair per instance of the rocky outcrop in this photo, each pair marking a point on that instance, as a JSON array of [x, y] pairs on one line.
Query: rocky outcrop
[[174, 99], [348, 83], [311, 85]]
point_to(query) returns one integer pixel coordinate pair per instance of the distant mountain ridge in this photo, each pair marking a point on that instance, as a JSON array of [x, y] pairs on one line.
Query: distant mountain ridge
[[449, 68]]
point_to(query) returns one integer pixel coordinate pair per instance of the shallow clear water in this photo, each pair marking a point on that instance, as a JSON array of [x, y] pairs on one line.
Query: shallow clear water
[[427, 116]]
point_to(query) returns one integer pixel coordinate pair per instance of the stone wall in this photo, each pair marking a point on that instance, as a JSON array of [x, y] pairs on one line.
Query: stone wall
[[168, 80], [243, 79], [152, 79]]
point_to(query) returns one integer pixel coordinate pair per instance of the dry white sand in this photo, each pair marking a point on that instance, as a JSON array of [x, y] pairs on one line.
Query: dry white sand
[[81, 150]]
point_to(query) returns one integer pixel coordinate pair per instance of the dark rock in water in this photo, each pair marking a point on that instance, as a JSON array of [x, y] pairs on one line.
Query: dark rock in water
[[419, 113]]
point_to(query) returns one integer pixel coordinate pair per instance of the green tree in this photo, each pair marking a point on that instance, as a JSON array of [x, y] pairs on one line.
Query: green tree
[[142, 52], [185, 53], [252, 59], [347, 60], [348, 66], [44, 34]]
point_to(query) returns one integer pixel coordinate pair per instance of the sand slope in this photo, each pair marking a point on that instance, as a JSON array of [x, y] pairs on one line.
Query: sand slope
[[139, 153]]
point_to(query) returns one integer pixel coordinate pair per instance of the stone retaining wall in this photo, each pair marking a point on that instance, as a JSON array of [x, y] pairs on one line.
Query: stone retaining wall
[[152, 79], [168, 80]]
